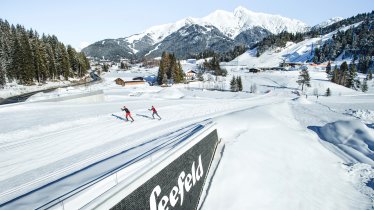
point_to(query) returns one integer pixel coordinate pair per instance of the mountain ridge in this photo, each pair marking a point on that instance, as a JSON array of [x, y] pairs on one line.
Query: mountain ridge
[[241, 23]]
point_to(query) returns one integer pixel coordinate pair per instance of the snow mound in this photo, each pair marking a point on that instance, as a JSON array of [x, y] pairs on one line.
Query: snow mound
[[366, 115], [170, 93], [353, 137], [164, 93]]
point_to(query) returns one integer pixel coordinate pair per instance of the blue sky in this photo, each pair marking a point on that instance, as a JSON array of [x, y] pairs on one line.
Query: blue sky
[[77, 22]]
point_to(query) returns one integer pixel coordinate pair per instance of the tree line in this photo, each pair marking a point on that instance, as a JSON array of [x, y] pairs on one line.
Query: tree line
[[26, 57], [213, 66], [222, 57], [346, 76], [278, 40]]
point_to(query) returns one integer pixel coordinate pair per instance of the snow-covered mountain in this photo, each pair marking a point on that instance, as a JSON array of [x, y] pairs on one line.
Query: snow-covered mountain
[[241, 23], [230, 24], [328, 22]]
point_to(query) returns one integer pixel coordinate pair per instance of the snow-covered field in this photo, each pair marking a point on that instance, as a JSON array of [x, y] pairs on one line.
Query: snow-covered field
[[282, 151]]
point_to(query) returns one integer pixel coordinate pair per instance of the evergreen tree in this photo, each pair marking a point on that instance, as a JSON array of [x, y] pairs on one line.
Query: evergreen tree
[[239, 83], [51, 62], [27, 68], [328, 69], [2, 62], [233, 84], [335, 75], [304, 79], [179, 73], [83, 64], [14, 70], [364, 86], [343, 74], [2, 77], [65, 64], [105, 67], [162, 68], [351, 76], [328, 92], [73, 59]]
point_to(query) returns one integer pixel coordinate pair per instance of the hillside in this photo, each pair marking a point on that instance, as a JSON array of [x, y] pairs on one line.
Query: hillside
[[350, 39]]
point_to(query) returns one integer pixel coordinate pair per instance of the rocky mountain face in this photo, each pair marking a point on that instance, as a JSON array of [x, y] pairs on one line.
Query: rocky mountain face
[[220, 31]]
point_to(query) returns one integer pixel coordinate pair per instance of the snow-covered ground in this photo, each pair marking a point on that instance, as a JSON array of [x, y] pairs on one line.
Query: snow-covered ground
[[281, 151]]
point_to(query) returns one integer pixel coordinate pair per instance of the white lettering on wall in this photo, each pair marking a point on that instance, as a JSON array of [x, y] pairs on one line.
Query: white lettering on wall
[[185, 182]]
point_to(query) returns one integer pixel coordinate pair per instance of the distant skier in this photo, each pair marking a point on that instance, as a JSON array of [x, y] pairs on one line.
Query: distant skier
[[154, 112], [128, 113]]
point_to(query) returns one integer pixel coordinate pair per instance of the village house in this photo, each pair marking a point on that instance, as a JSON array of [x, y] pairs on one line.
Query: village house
[[121, 82], [191, 75]]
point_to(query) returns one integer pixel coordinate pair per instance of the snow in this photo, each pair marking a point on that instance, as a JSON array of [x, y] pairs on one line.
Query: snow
[[362, 176], [353, 137], [367, 116], [13, 89], [282, 151], [167, 93], [328, 22], [283, 169], [292, 52], [156, 48], [229, 23], [274, 23]]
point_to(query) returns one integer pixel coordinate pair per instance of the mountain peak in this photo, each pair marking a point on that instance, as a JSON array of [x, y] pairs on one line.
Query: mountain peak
[[241, 9], [328, 22]]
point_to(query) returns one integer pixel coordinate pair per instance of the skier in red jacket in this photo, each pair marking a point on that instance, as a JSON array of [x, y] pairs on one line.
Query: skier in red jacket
[[128, 113], [154, 112]]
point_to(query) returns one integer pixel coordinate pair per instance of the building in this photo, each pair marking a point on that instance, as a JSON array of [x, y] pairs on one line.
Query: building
[[121, 82], [291, 64], [191, 75]]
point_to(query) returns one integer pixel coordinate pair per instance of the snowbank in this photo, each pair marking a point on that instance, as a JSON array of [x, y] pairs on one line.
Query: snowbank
[[165, 93], [170, 93], [353, 137]]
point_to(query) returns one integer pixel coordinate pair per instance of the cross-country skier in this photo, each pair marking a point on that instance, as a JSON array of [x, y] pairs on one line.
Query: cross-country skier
[[128, 113], [154, 112]]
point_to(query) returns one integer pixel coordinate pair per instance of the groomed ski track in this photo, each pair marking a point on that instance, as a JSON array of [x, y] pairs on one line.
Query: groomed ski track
[[164, 135]]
